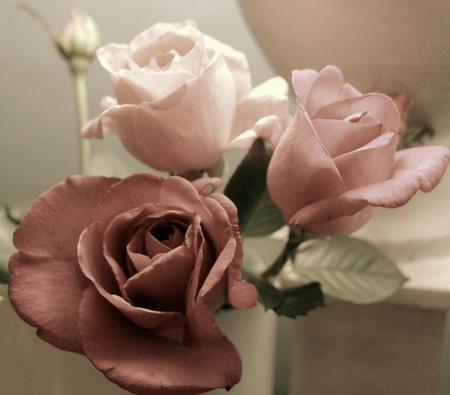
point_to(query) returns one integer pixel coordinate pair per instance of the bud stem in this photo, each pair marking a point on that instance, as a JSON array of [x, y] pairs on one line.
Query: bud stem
[[290, 249], [83, 117]]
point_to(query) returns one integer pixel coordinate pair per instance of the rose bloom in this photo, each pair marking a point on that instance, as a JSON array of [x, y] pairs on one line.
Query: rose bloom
[[129, 273], [182, 98], [337, 162]]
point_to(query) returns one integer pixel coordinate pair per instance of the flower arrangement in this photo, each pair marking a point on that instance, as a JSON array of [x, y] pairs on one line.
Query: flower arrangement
[[130, 271]]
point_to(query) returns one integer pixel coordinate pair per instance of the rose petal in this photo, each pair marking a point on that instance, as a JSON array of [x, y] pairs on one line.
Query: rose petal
[[369, 164], [178, 42], [46, 283], [301, 171], [113, 57], [146, 188], [340, 137], [267, 99], [324, 90], [150, 87], [53, 224], [302, 81], [377, 106], [414, 169], [236, 62], [203, 185], [241, 295], [348, 92], [243, 140], [143, 363], [202, 137], [166, 324], [46, 293], [404, 104], [98, 267], [162, 286]]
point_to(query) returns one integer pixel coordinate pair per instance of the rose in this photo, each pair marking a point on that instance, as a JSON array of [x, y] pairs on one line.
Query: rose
[[129, 273], [337, 162], [182, 98]]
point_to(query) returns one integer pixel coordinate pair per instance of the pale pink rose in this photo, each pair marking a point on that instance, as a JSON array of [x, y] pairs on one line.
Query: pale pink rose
[[129, 273], [337, 162], [182, 98]]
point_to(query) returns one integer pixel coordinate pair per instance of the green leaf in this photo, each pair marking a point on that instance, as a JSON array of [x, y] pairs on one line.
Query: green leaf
[[289, 302], [269, 296], [4, 292], [349, 269], [7, 228], [258, 214], [299, 300]]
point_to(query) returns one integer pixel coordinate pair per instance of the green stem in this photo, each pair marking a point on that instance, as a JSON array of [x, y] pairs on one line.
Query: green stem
[[83, 117], [289, 251]]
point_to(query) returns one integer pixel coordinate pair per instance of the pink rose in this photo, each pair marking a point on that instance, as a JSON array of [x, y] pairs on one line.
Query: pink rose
[[337, 162], [182, 97], [129, 273]]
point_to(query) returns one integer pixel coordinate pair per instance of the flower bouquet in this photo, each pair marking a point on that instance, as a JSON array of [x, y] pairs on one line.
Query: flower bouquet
[[130, 271]]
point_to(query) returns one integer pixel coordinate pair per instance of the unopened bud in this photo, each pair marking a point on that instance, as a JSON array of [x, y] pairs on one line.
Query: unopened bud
[[80, 39]]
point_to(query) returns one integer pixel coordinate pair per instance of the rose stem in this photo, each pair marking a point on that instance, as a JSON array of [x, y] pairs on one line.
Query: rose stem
[[295, 239], [83, 117]]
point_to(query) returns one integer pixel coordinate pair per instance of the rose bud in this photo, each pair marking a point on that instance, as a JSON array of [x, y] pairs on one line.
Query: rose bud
[[336, 163]]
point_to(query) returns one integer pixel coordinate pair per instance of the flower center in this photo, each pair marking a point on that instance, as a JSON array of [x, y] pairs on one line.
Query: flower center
[[171, 235]]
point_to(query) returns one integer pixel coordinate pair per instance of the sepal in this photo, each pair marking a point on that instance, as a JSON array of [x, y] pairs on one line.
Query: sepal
[[290, 302]]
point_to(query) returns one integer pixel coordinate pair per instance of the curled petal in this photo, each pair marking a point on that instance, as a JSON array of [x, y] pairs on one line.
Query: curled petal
[[341, 137], [324, 90], [198, 139], [147, 364], [302, 81], [404, 104], [416, 168], [369, 164], [236, 62], [375, 105], [204, 185], [46, 293], [301, 170], [243, 140], [46, 282], [267, 99], [53, 224]]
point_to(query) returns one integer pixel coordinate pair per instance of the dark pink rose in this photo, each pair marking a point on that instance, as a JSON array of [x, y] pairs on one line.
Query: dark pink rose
[[336, 163], [129, 272], [182, 98]]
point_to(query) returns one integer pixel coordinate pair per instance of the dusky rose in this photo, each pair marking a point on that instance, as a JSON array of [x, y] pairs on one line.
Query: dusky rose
[[182, 98], [129, 273], [336, 163]]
